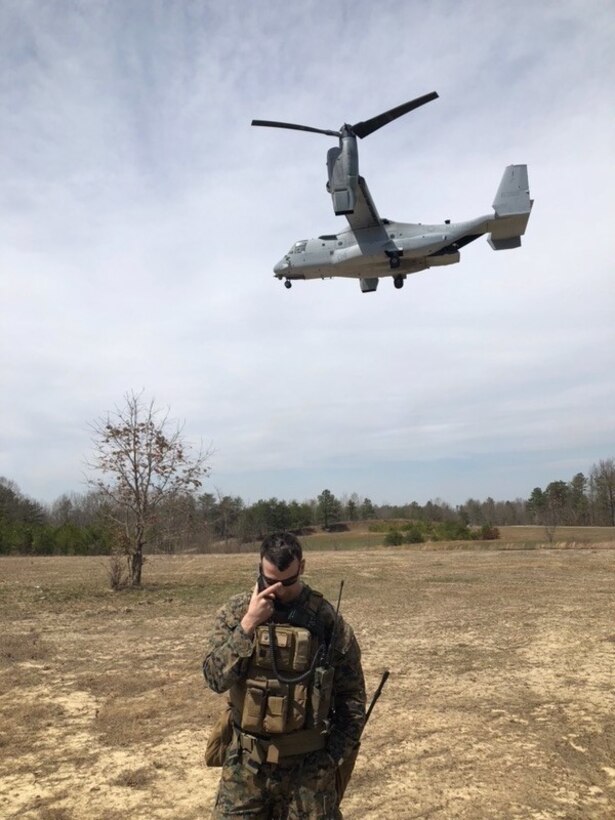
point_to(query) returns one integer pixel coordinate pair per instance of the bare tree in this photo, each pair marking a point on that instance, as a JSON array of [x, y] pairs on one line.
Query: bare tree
[[602, 481], [143, 462]]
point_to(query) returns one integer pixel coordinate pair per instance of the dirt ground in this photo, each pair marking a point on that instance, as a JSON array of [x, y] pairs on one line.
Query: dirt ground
[[500, 704]]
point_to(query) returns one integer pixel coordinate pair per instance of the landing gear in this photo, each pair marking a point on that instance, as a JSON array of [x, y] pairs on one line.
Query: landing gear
[[394, 257], [288, 284], [398, 281]]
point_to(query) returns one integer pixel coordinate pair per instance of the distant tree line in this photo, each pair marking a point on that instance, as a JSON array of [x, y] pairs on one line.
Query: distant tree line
[[72, 525], [82, 524], [582, 501]]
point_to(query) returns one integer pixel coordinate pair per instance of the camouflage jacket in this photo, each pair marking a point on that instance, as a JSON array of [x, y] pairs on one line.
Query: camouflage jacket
[[229, 649]]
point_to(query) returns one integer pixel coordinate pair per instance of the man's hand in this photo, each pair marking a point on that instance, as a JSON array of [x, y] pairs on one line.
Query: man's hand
[[260, 608]]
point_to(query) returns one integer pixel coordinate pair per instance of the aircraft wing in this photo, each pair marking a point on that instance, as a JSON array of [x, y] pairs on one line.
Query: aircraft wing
[[365, 214]]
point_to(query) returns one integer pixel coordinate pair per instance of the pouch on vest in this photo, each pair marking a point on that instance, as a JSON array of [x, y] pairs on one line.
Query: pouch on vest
[[253, 708], [293, 646], [274, 721], [321, 694]]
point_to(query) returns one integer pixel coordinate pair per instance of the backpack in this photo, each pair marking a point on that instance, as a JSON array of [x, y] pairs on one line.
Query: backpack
[[220, 738]]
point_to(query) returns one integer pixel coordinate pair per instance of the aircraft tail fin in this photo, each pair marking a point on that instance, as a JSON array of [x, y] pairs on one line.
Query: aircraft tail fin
[[512, 206]]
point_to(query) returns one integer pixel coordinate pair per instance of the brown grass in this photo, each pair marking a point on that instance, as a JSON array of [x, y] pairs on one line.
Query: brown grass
[[500, 701], [135, 778], [22, 646]]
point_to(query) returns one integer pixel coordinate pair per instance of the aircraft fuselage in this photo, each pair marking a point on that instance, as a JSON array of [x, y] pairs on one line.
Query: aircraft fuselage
[[367, 252]]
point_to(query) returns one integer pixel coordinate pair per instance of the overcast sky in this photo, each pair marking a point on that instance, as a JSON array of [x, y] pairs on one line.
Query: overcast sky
[[141, 216]]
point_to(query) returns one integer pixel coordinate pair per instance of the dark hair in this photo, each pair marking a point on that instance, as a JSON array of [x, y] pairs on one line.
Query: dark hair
[[281, 548]]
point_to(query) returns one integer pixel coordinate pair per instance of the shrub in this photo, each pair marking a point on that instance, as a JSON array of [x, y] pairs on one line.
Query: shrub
[[413, 535], [393, 538], [451, 531], [118, 570]]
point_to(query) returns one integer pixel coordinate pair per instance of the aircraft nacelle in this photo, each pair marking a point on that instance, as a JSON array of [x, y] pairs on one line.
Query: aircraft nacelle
[[343, 172]]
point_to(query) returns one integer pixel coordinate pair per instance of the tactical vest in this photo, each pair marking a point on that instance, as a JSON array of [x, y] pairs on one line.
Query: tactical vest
[[282, 704]]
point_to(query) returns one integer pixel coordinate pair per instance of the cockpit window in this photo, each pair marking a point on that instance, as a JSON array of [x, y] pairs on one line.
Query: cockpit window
[[299, 247]]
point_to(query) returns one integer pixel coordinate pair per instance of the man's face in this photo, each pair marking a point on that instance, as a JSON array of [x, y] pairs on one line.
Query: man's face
[[292, 575]]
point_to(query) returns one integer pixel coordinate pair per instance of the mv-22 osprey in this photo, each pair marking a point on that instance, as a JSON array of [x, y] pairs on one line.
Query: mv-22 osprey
[[372, 247]]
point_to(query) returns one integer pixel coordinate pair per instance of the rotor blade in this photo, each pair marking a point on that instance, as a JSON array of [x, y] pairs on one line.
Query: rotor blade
[[363, 129], [271, 124]]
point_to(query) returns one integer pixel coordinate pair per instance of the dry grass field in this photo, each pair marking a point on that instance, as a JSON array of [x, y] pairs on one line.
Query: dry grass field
[[500, 704]]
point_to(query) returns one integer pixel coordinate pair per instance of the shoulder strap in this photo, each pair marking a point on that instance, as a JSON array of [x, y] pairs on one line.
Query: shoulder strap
[[315, 601], [307, 614]]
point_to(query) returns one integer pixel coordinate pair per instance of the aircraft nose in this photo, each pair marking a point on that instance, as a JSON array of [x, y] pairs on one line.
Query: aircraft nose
[[282, 267]]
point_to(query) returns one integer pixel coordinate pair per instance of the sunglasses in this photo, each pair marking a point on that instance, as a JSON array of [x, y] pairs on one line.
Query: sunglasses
[[287, 582]]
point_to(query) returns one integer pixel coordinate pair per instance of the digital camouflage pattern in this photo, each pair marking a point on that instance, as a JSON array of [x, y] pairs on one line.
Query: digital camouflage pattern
[[304, 791], [226, 663]]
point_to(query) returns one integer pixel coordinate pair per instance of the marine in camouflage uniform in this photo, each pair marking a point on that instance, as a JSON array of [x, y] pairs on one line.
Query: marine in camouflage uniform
[[296, 785]]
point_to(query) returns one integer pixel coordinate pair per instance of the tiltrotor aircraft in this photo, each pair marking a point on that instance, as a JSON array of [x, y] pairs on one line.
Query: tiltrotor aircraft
[[372, 247]]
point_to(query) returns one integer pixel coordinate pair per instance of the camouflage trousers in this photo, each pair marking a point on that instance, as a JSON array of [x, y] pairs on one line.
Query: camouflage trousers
[[302, 791]]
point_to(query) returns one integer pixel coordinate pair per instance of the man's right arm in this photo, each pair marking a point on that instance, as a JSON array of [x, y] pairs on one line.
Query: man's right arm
[[229, 646], [232, 640]]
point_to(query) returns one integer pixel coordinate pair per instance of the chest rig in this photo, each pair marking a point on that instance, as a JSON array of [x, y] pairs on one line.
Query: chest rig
[[281, 707]]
